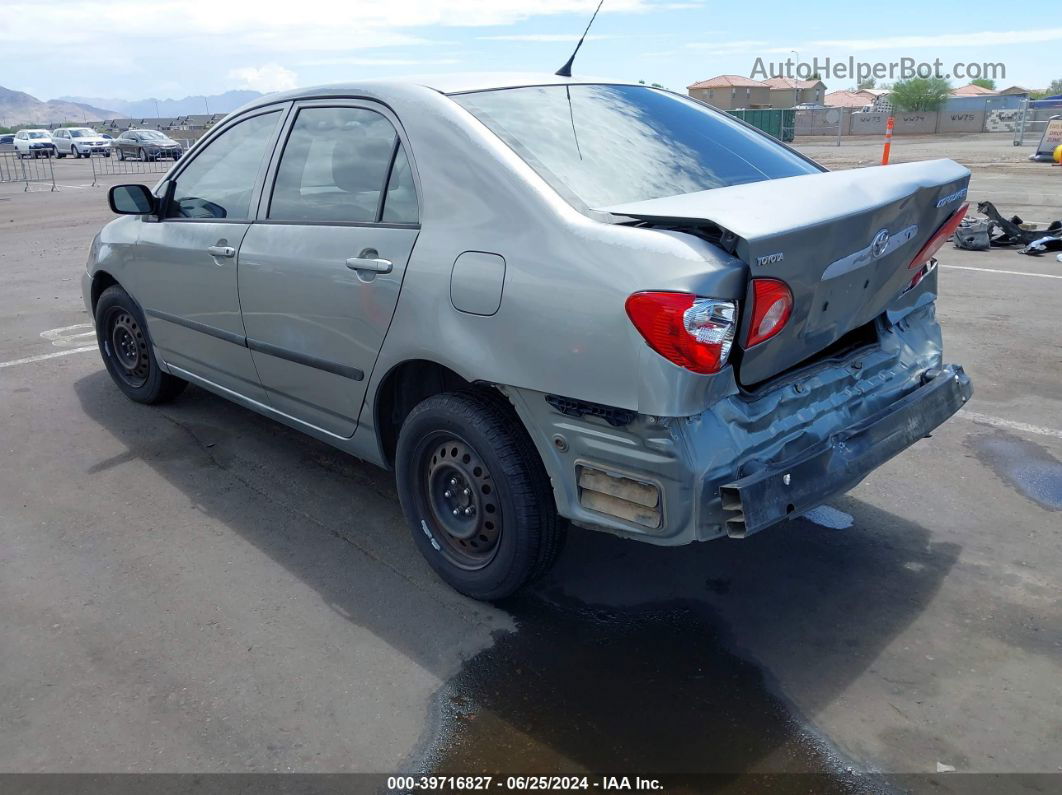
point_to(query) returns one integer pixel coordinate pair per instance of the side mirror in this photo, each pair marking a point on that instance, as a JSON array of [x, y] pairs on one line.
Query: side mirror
[[132, 200]]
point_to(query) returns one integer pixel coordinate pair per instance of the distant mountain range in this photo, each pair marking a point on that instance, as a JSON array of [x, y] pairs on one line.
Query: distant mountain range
[[146, 108], [17, 107]]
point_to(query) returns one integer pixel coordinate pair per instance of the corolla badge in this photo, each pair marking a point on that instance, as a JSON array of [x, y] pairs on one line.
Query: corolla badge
[[951, 197], [880, 244]]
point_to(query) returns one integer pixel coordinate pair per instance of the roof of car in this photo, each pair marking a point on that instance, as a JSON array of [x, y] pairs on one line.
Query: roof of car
[[455, 83]]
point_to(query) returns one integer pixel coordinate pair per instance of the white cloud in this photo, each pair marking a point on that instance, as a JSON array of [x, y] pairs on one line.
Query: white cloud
[[266, 78], [546, 37], [982, 38], [340, 60]]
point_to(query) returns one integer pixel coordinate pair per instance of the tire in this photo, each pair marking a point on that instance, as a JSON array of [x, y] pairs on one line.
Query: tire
[[143, 155], [464, 452], [127, 352], [121, 154], [59, 154], [76, 154]]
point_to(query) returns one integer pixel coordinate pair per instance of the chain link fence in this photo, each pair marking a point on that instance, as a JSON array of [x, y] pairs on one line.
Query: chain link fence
[[29, 171]]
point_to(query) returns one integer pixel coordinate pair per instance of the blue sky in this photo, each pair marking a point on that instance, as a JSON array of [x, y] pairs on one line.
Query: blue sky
[[172, 48]]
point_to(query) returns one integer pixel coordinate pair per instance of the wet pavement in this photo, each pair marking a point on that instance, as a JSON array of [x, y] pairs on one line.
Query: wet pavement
[[1026, 466], [650, 691]]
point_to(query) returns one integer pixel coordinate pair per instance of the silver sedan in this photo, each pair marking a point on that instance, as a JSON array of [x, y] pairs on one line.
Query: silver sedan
[[542, 302]]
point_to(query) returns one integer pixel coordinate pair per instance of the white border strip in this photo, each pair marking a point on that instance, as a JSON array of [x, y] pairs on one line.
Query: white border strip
[[1008, 273], [43, 356], [1010, 425]]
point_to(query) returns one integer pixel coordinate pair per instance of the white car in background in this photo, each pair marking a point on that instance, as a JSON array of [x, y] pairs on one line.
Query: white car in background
[[34, 143], [80, 142]]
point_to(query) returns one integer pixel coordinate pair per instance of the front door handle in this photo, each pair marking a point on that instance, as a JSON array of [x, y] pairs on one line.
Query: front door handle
[[369, 261], [221, 251]]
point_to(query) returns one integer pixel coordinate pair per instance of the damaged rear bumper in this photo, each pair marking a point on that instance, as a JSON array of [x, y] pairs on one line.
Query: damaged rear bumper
[[793, 487]]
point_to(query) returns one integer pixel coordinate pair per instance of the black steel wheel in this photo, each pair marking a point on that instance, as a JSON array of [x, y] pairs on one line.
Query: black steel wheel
[[476, 495], [126, 350], [127, 344], [458, 493]]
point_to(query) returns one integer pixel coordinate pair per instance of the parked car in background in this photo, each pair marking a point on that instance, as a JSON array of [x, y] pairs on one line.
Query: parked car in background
[[146, 145], [34, 143], [541, 301], [7, 140], [80, 142]]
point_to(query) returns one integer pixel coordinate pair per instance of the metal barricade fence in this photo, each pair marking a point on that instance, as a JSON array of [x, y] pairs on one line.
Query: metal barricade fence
[[29, 170], [113, 166]]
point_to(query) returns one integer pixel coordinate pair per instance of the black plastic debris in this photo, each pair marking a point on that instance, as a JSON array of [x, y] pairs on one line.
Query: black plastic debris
[[981, 234]]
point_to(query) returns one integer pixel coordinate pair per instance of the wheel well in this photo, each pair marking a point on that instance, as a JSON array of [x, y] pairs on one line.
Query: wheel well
[[403, 388], [101, 280]]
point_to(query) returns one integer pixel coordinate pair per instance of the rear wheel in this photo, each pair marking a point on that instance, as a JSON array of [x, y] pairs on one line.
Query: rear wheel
[[476, 495], [126, 349]]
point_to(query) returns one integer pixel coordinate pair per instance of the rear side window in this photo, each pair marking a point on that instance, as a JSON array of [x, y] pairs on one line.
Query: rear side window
[[219, 182], [602, 145], [334, 167]]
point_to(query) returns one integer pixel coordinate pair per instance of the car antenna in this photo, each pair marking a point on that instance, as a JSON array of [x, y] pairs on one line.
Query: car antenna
[[566, 70]]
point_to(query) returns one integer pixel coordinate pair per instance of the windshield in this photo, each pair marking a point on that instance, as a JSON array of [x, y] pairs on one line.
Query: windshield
[[82, 133], [601, 145], [33, 134]]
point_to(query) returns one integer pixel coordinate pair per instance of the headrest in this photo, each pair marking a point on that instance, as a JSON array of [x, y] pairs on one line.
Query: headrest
[[359, 162]]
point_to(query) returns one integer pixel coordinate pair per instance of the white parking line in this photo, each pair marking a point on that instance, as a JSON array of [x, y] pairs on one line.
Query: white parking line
[[1010, 425], [43, 356], [1009, 273]]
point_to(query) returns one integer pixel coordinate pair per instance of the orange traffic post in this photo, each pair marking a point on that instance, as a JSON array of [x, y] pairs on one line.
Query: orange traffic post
[[888, 141]]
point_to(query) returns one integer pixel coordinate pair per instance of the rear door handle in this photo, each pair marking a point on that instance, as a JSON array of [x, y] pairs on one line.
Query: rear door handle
[[370, 264], [221, 251]]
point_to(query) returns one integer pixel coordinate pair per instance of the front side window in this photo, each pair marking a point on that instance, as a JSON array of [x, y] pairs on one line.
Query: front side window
[[603, 145], [219, 182], [334, 166]]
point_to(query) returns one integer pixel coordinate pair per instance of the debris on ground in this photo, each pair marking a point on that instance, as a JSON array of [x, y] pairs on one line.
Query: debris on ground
[[981, 234]]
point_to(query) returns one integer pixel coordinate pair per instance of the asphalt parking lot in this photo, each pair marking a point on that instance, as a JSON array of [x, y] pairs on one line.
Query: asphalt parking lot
[[194, 588]]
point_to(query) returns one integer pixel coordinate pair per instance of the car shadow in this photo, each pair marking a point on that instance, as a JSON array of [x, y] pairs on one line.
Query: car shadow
[[629, 658]]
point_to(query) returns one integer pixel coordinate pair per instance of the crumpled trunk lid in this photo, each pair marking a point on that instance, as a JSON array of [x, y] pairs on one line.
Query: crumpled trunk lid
[[841, 240]]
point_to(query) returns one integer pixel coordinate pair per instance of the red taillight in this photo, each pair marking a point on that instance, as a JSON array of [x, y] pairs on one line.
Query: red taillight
[[772, 304], [692, 332], [939, 238]]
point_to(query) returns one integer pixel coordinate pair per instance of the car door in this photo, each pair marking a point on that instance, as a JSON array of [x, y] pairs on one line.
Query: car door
[[321, 268], [59, 139], [185, 272]]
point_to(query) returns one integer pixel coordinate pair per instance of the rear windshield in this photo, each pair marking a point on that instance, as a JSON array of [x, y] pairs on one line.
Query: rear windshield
[[601, 145]]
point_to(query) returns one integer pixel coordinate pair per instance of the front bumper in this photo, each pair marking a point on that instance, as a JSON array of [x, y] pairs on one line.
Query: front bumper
[[793, 487]]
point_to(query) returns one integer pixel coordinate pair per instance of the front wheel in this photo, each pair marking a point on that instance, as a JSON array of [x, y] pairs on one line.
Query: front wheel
[[121, 154], [126, 349], [475, 494]]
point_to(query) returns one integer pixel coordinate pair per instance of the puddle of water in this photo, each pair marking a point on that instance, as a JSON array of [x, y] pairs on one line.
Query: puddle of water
[[1025, 466], [650, 691]]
